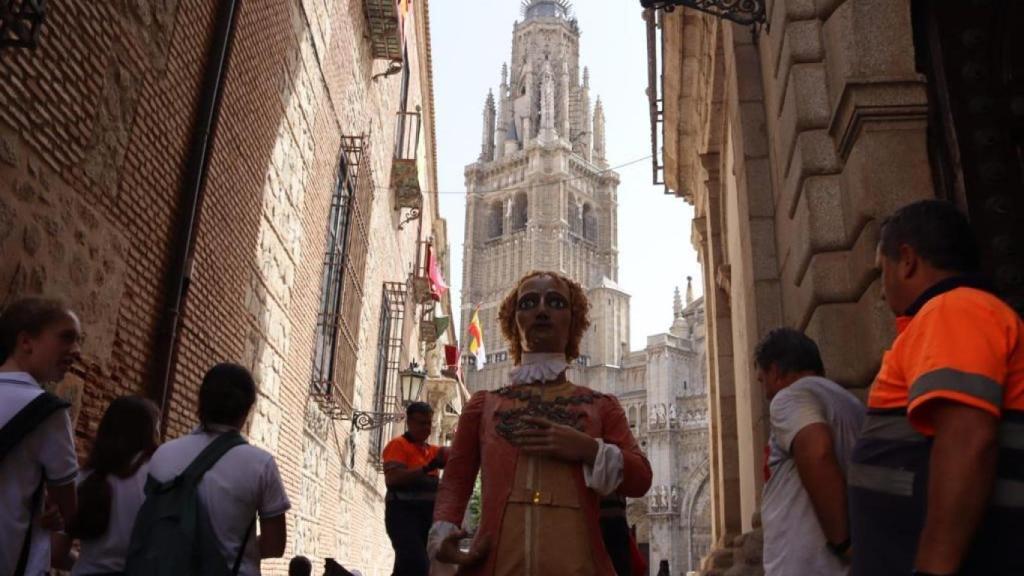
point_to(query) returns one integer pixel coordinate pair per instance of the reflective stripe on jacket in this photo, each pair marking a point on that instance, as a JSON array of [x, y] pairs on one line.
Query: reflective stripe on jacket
[[957, 343]]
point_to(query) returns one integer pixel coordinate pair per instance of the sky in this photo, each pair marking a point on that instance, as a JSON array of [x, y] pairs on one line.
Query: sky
[[471, 39]]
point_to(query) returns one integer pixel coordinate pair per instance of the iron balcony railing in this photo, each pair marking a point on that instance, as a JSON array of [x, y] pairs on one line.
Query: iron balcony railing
[[405, 178], [384, 29]]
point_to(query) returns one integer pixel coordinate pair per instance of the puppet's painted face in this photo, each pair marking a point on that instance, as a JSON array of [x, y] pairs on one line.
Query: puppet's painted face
[[543, 314]]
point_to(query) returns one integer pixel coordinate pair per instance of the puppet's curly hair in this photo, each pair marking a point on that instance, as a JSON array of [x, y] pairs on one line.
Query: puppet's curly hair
[[578, 305]]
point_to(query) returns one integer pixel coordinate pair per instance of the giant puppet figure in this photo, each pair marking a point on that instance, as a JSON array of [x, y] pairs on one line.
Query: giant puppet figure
[[546, 449]]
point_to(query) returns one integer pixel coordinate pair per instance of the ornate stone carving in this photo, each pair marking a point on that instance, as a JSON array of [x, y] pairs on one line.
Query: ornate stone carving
[[547, 103]]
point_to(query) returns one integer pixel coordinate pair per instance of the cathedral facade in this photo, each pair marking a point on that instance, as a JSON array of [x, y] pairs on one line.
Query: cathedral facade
[[663, 390], [541, 196]]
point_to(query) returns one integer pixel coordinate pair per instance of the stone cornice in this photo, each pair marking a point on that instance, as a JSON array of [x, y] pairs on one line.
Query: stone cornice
[[423, 33], [876, 100]]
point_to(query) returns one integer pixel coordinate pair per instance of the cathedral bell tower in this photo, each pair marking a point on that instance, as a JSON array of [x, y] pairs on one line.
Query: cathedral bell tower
[[541, 196]]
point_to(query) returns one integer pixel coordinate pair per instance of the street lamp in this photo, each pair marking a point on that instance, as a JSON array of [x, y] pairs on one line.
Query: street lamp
[[411, 382]]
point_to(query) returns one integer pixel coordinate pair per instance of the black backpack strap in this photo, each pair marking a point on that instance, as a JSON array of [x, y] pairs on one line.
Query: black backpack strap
[[211, 454], [26, 546], [13, 432], [28, 419], [241, 551], [206, 459]]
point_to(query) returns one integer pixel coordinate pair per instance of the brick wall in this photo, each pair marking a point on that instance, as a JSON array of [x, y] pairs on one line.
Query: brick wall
[[96, 123], [95, 126]]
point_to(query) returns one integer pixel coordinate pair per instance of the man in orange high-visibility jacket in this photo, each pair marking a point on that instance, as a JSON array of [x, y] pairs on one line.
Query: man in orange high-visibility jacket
[[936, 482]]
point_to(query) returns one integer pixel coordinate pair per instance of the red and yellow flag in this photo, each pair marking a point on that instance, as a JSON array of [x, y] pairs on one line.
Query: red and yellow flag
[[476, 340]]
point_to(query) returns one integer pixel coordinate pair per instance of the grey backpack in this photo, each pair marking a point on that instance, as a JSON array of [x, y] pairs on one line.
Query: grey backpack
[[172, 534]]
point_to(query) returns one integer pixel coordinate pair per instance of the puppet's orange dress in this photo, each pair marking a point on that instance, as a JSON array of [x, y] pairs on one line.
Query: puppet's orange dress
[[539, 513]]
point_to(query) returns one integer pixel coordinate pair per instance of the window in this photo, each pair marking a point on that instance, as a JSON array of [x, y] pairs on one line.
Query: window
[[573, 216], [520, 213], [497, 220], [403, 105], [589, 223], [341, 284], [389, 351]]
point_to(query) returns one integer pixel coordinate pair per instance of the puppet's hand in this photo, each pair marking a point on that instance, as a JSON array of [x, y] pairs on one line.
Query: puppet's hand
[[556, 441], [450, 553]]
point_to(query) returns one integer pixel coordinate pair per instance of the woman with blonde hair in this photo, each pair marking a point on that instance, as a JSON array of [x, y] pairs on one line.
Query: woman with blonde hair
[[547, 450]]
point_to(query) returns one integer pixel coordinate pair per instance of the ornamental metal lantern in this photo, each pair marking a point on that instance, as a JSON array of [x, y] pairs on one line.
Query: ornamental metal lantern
[[740, 11], [21, 22], [411, 382]]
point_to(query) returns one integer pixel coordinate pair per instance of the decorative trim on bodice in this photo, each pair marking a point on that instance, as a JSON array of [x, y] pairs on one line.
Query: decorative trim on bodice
[[559, 410]]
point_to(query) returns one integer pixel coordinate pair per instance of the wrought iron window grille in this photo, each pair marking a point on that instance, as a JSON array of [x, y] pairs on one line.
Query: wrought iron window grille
[[341, 293], [746, 12], [386, 404], [21, 22]]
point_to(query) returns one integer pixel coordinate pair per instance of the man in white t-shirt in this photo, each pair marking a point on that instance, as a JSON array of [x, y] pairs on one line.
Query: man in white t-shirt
[[814, 426], [39, 341], [244, 483]]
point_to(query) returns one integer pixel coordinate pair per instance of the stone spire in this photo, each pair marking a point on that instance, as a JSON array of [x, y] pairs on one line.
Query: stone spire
[[599, 145], [504, 115], [564, 128], [689, 290], [586, 141], [547, 104], [677, 305], [487, 143]]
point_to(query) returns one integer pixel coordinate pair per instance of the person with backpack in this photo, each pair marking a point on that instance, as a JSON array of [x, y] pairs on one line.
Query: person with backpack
[[39, 342], [206, 490], [111, 488]]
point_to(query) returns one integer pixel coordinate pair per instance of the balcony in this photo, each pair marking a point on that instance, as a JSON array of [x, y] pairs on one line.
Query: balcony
[[428, 287], [385, 29], [405, 177]]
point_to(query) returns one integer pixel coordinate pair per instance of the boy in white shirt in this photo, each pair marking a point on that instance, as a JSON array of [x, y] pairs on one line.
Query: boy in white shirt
[[39, 341], [243, 483]]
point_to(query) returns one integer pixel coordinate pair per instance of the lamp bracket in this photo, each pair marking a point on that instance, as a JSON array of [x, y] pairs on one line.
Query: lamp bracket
[[746, 12], [362, 420], [414, 214]]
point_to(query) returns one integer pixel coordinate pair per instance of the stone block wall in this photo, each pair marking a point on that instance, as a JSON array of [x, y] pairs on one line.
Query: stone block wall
[[792, 142], [94, 132], [846, 118]]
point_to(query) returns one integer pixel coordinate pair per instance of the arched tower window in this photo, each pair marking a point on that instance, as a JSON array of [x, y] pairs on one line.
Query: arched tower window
[[573, 216], [520, 212], [589, 223], [496, 220], [632, 416]]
